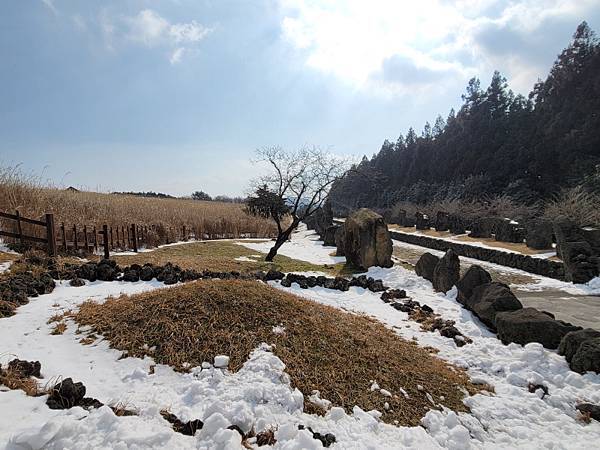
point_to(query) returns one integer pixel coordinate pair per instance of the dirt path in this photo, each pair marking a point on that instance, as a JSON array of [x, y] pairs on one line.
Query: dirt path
[[582, 310]]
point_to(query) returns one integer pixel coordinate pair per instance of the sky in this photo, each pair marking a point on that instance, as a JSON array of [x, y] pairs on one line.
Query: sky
[[176, 95]]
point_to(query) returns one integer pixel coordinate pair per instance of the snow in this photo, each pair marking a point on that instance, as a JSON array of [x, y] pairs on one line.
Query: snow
[[249, 258], [304, 245], [260, 396], [5, 266], [221, 361], [510, 418]]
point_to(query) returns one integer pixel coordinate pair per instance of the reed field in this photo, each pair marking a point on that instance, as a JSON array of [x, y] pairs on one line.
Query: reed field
[[208, 219]]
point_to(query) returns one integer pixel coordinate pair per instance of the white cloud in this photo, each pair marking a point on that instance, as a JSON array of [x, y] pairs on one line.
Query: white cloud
[[50, 5], [177, 55], [150, 29], [354, 39]]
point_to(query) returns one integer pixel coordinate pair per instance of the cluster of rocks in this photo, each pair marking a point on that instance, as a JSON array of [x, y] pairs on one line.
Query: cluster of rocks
[[579, 249], [424, 315], [16, 289], [67, 394], [442, 272], [502, 312], [23, 369], [337, 283], [581, 349], [322, 222]]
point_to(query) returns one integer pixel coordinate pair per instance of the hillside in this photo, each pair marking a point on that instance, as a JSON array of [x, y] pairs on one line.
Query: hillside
[[498, 143]]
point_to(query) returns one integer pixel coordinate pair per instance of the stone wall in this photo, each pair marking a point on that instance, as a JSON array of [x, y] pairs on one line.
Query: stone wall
[[545, 267]]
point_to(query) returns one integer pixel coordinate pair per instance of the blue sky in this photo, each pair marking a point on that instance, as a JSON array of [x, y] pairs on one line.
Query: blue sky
[[175, 95]]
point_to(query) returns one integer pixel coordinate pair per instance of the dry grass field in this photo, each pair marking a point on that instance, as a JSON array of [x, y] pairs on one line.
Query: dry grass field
[[221, 256], [208, 219], [323, 348]]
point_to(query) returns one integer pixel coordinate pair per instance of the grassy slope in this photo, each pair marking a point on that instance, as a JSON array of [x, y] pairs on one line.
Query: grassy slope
[[220, 256], [323, 348]]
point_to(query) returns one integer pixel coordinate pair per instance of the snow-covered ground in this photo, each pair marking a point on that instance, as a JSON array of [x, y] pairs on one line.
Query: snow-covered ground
[[259, 395], [304, 245]]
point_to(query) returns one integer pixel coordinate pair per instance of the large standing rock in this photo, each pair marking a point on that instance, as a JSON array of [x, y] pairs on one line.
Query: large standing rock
[[475, 276], [530, 325], [573, 340], [587, 357], [426, 265], [490, 299], [581, 263], [442, 221], [340, 238], [398, 217], [446, 272], [539, 234], [509, 231], [422, 221], [456, 224], [485, 227], [367, 240], [329, 236]]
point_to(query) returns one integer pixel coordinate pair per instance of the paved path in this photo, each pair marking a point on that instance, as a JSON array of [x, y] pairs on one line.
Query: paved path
[[582, 310]]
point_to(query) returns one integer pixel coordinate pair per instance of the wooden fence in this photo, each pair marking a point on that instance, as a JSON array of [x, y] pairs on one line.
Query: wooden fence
[[88, 239]]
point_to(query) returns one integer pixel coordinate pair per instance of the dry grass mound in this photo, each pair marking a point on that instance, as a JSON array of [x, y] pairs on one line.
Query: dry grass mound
[[324, 349]]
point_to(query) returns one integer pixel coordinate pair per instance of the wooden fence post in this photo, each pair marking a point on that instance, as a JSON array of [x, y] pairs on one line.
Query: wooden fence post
[[51, 234], [85, 239], [111, 238], [134, 237], [75, 243], [95, 239], [106, 248], [19, 227], [64, 236]]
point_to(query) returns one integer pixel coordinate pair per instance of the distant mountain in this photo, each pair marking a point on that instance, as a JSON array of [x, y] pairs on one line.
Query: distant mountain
[[497, 143]]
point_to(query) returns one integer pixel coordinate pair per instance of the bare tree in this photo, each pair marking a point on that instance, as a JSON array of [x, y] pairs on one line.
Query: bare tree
[[296, 186]]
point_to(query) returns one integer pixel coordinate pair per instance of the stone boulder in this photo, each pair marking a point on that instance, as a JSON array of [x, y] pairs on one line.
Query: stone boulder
[[446, 272], [587, 357], [530, 325], [490, 299], [589, 409], [367, 241], [580, 258], [421, 221], [66, 394], [398, 217], [509, 231], [475, 276], [485, 227], [107, 270], [456, 224], [539, 234], [340, 237], [426, 265], [573, 340], [329, 235], [442, 222]]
